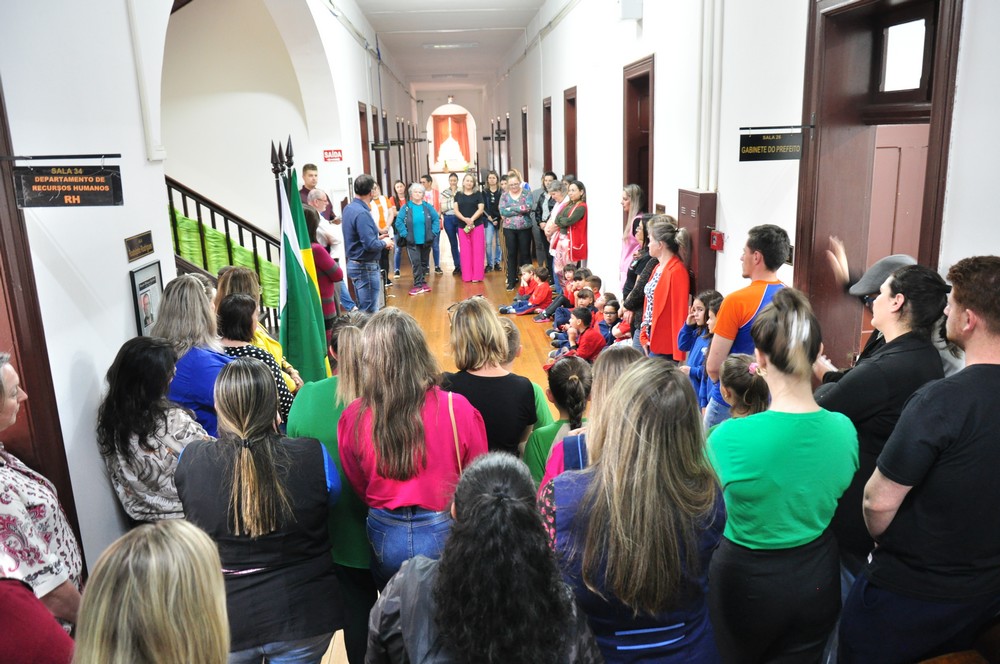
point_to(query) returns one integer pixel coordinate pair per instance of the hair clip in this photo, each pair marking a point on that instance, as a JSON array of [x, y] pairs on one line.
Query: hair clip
[[753, 368], [245, 442]]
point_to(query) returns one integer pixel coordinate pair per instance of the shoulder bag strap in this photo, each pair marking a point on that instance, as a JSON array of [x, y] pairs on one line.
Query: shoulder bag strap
[[454, 429]]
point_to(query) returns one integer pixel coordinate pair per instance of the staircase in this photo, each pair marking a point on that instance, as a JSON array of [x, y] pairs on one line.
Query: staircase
[[207, 237]]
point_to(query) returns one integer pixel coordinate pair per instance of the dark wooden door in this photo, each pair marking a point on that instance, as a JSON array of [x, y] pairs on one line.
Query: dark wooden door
[[638, 126], [569, 126], [366, 158]]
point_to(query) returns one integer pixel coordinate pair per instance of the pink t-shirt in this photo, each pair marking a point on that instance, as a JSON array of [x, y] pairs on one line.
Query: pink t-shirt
[[433, 485]]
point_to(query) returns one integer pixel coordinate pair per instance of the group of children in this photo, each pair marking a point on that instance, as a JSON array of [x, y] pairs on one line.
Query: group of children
[[585, 321]]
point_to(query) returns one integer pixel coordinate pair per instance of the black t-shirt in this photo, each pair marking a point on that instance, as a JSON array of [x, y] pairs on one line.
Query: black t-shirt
[[467, 204], [944, 542], [507, 404]]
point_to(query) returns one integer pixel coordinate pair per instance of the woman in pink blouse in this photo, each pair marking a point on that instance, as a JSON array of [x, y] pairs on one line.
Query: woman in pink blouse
[[404, 442]]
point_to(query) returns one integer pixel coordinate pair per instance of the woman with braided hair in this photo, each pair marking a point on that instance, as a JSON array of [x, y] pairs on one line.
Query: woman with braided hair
[[264, 500], [570, 379]]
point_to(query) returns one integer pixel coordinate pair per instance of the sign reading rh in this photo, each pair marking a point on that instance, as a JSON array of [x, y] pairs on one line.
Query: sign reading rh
[[67, 186], [333, 155]]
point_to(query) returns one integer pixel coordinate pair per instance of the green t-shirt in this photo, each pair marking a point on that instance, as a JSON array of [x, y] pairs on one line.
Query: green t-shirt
[[542, 412], [782, 475], [315, 414], [540, 442]]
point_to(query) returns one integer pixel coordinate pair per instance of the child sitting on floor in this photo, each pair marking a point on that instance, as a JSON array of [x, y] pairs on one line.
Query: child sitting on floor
[[582, 336], [534, 294], [568, 298], [560, 322]]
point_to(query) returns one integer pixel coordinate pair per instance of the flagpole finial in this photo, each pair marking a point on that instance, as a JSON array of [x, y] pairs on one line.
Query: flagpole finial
[[288, 154], [275, 164], [281, 158]]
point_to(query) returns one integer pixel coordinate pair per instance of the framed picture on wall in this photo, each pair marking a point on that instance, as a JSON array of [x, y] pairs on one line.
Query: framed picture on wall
[[147, 289]]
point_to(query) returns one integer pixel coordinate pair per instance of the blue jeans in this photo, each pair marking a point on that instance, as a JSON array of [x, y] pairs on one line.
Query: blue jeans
[[492, 244], [715, 413], [451, 228], [367, 284], [436, 250], [346, 301], [399, 254], [300, 651], [398, 535]]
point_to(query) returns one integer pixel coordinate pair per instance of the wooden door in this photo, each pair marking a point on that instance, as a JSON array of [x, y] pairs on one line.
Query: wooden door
[[569, 126], [638, 127]]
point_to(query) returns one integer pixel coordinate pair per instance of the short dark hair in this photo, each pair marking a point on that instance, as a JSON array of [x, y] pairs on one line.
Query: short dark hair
[[363, 184], [581, 273], [542, 273], [925, 295], [975, 282], [772, 242], [426, 177], [309, 167], [594, 282], [613, 303], [585, 292], [584, 315], [236, 319], [550, 174]]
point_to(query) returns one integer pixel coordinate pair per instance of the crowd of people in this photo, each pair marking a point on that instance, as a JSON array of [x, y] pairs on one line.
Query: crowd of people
[[696, 498]]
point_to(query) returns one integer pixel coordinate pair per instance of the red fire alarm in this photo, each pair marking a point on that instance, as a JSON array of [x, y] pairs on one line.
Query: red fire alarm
[[717, 240]]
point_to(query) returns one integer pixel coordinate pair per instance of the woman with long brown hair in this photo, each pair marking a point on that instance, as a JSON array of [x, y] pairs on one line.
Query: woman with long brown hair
[[264, 500], [634, 531], [404, 442]]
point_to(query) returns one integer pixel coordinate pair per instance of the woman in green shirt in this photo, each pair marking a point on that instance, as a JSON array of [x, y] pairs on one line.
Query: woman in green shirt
[[774, 581]]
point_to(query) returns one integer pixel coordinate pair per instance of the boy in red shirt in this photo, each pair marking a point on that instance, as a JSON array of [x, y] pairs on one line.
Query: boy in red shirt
[[584, 339], [534, 294]]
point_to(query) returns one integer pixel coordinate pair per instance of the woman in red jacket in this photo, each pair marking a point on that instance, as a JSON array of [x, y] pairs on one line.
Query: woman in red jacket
[[668, 290], [572, 223]]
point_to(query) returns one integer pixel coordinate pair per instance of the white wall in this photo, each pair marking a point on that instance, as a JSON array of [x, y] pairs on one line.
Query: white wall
[[970, 226], [761, 84], [81, 267]]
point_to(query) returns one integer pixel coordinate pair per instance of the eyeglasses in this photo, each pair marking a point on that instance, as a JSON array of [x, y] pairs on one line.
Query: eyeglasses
[[451, 308], [868, 300]]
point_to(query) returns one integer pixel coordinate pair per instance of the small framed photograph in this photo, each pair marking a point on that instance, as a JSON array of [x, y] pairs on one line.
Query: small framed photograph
[[147, 289]]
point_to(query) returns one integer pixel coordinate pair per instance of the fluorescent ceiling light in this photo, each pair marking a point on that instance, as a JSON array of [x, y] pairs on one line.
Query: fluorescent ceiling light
[[442, 47], [449, 76]]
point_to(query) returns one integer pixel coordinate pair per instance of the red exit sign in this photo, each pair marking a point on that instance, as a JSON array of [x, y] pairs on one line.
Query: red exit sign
[[333, 155]]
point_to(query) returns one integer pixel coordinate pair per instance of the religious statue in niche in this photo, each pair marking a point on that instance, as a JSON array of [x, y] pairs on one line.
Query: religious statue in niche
[[451, 143]]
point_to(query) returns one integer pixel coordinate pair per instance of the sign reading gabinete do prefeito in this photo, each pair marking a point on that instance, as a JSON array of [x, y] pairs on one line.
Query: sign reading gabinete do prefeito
[[770, 147], [68, 186]]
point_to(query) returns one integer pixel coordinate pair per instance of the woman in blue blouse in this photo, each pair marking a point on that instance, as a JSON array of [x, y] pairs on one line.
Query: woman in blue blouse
[[515, 209]]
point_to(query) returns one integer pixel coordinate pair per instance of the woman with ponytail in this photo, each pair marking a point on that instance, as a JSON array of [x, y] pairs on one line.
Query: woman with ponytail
[[495, 596], [668, 290], [569, 389], [775, 592], [264, 500]]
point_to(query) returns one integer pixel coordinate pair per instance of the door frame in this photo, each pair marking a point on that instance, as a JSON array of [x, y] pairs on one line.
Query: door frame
[[639, 68], [44, 450]]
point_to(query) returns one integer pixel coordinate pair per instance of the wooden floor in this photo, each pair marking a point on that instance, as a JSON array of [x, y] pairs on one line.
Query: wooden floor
[[431, 309]]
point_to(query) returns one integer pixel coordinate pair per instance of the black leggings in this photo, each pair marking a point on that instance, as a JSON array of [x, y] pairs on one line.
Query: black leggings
[[774, 606], [358, 594], [518, 252]]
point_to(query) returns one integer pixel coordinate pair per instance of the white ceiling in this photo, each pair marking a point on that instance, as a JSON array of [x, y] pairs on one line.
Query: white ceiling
[[405, 26]]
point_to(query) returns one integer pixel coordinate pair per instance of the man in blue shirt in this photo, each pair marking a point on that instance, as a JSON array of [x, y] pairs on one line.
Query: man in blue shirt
[[363, 245]]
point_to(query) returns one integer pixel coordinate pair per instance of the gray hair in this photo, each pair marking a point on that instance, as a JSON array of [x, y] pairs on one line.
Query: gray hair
[[315, 194], [557, 185], [4, 361], [186, 318], [415, 186]]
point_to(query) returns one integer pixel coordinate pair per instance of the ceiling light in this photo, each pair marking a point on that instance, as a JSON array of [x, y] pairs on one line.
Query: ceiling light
[[452, 45], [438, 76]]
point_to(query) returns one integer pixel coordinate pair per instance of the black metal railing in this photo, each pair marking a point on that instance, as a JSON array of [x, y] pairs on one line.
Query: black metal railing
[[237, 231]]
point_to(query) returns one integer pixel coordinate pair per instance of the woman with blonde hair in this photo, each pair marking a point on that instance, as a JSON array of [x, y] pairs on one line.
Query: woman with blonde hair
[[505, 400], [634, 531], [668, 291], [775, 592], [244, 280], [404, 442], [264, 500], [632, 199], [156, 596], [187, 321]]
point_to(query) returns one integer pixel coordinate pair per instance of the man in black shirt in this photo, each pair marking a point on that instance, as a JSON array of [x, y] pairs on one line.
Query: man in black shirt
[[933, 503]]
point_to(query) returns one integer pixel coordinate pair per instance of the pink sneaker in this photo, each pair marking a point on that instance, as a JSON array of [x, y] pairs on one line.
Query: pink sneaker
[[425, 289], [416, 290]]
